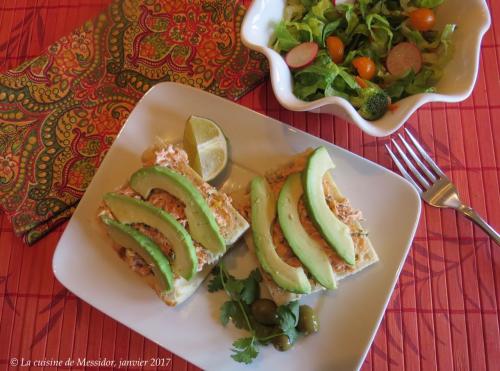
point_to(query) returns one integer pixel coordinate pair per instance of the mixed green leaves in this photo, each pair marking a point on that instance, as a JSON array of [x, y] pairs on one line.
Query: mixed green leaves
[[242, 293], [324, 78], [367, 28], [427, 3]]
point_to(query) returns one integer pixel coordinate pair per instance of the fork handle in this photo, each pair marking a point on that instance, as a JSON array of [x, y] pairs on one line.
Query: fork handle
[[471, 214]]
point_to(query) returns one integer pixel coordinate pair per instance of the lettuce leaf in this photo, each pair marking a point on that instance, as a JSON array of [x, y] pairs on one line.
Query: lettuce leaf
[[397, 89], [323, 78], [363, 7], [381, 34], [321, 9], [316, 25], [424, 82], [308, 3], [418, 38], [329, 29], [405, 4], [412, 83], [446, 47], [294, 12], [291, 34], [427, 3], [351, 21]]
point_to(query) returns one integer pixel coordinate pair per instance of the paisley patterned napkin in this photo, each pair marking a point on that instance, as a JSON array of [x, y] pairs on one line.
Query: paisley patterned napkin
[[60, 112]]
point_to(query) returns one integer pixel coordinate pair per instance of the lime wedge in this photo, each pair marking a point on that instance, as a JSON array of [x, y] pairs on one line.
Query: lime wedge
[[206, 147]]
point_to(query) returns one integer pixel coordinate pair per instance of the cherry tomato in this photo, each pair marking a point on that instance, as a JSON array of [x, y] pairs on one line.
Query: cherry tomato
[[392, 107], [422, 19], [362, 83], [365, 66], [335, 48]]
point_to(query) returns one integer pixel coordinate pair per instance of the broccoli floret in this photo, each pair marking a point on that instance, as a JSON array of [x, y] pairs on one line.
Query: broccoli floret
[[372, 103]]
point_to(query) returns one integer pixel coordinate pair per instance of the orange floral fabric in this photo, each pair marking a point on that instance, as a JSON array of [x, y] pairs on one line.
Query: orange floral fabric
[[60, 112]]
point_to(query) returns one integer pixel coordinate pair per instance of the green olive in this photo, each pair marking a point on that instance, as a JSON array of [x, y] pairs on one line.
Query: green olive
[[308, 321], [282, 343], [264, 311]]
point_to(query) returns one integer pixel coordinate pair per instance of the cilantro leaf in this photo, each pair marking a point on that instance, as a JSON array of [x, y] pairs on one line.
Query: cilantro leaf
[[251, 287], [288, 317], [246, 290], [244, 350], [227, 311], [216, 282], [250, 292], [292, 334], [243, 343], [230, 310], [238, 317], [234, 287]]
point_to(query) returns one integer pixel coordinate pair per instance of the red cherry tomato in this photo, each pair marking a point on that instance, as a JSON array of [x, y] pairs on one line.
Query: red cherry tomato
[[365, 66], [422, 19]]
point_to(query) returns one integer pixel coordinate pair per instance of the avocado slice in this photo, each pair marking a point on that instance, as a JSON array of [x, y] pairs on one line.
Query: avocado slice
[[201, 219], [263, 214], [304, 246], [134, 240], [336, 233], [130, 210]]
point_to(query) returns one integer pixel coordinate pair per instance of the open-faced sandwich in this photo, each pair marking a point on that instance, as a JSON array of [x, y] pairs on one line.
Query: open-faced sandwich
[[169, 225], [303, 230]]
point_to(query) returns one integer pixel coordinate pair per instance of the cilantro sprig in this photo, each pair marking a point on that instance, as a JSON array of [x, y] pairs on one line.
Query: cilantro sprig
[[242, 293]]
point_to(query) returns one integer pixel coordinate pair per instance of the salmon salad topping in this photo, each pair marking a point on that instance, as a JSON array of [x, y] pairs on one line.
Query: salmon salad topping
[[340, 207], [176, 159]]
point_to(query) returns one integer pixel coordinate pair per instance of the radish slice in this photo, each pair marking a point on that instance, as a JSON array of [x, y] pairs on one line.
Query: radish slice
[[403, 57], [302, 55]]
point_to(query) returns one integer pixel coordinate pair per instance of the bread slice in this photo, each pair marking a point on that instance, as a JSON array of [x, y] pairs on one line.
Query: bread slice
[[365, 253], [231, 224]]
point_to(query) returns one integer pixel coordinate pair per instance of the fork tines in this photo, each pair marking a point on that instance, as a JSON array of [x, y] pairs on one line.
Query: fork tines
[[421, 178]]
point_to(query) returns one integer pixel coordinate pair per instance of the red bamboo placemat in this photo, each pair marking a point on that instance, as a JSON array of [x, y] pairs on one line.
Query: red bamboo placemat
[[444, 313]]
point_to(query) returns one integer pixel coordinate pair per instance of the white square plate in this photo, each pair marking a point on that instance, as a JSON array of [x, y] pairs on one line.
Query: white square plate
[[86, 265]]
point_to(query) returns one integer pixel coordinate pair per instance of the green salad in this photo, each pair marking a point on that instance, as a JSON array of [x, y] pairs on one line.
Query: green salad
[[370, 52]]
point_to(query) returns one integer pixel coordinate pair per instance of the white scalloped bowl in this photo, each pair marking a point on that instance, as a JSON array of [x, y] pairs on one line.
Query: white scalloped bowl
[[471, 16]]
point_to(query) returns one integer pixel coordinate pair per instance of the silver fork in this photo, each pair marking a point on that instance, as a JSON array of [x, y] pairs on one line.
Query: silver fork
[[434, 186]]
